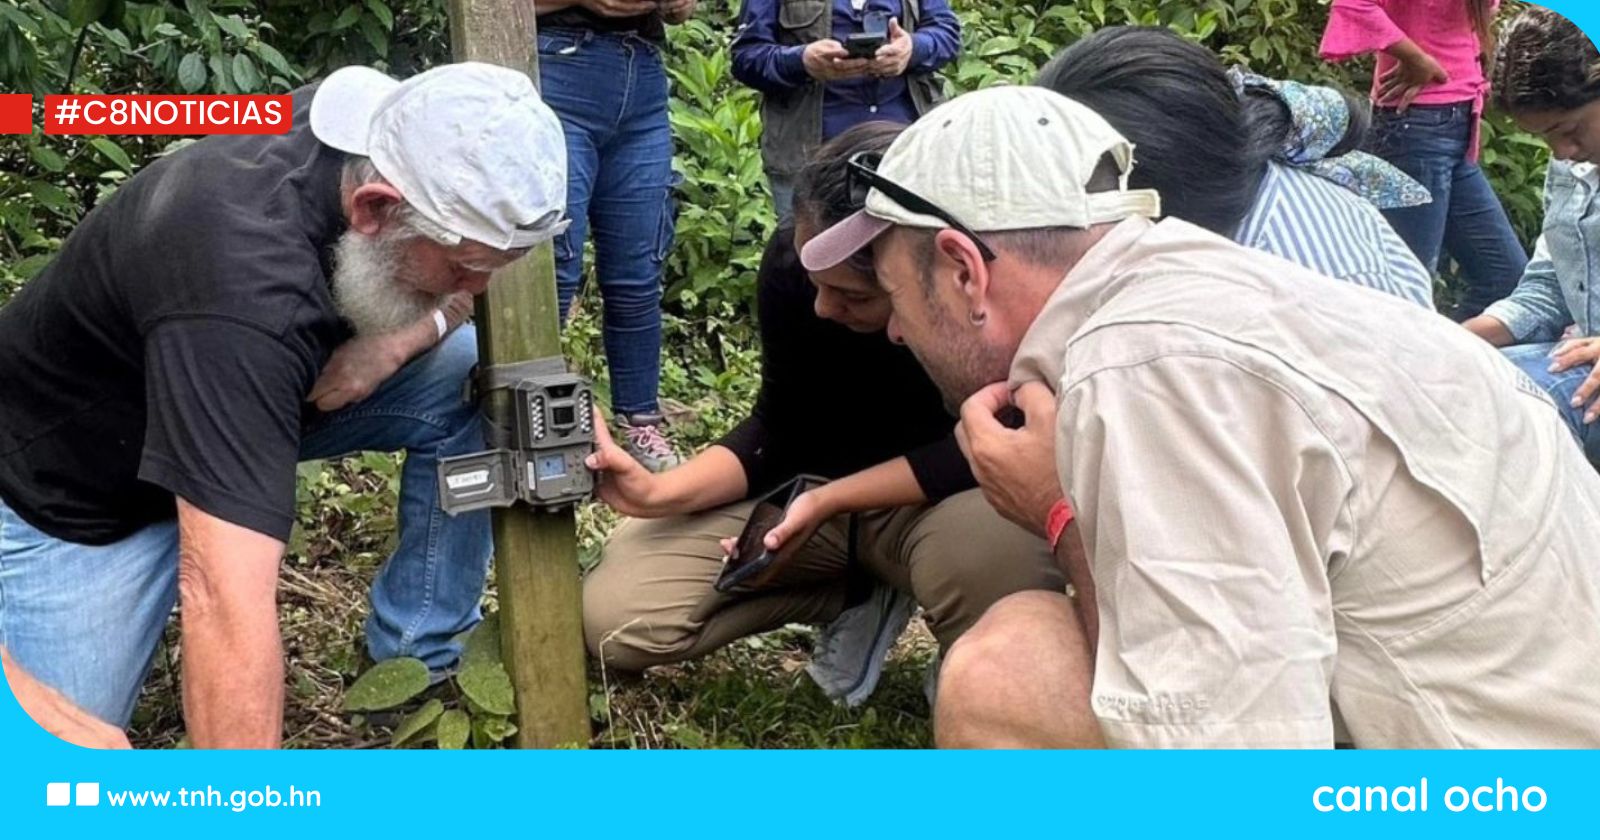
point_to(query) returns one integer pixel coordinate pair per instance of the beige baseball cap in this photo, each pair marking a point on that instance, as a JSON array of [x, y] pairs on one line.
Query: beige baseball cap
[[471, 146], [1003, 158]]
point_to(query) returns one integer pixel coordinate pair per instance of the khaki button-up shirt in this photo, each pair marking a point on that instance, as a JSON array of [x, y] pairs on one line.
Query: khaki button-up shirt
[[1293, 489]]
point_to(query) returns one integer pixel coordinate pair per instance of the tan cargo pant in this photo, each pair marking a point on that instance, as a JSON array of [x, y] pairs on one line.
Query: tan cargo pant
[[650, 601]]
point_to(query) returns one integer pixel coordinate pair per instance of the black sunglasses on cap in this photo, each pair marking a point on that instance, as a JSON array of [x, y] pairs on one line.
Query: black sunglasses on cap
[[863, 177]]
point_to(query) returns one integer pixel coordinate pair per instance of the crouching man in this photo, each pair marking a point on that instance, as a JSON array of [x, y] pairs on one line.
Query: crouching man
[[242, 305], [1299, 501]]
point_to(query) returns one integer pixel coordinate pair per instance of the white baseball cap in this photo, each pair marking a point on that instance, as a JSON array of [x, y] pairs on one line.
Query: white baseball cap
[[1003, 158], [471, 147]]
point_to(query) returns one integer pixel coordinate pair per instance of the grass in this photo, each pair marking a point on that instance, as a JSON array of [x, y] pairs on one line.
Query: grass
[[752, 694]]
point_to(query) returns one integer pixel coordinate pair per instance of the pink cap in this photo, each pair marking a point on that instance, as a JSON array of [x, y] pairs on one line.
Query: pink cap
[[838, 243]]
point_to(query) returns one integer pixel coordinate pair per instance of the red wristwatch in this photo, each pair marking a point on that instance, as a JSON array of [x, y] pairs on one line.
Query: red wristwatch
[[1061, 515]]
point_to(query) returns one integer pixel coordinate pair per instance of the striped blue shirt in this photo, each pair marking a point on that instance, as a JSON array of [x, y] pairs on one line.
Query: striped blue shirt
[[1323, 226]]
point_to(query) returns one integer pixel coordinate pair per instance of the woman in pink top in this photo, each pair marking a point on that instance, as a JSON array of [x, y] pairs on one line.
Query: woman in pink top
[[1429, 91]]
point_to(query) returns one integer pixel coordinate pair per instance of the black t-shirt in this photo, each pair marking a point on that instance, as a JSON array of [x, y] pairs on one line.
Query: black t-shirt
[[834, 401], [169, 347], [648, 25]]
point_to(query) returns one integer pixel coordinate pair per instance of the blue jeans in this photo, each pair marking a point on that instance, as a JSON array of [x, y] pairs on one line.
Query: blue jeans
[[610, 91], [87, 620], [1534, 360], [1430, 143]]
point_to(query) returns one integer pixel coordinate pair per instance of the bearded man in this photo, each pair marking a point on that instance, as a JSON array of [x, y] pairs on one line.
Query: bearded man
[[238, 307]]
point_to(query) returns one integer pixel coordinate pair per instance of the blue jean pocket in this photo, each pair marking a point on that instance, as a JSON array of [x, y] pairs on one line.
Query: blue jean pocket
[[666, 229], [558, 44], [564, 247]]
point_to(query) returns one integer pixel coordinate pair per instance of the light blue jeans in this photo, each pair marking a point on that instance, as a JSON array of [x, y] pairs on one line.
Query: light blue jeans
[[87, 620], [1534, 360]]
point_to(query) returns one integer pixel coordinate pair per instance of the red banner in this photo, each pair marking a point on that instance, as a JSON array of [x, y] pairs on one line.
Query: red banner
[[16, 113]]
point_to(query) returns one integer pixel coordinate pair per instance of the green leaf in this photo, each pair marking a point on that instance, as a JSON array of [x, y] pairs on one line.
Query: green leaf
[[232, 25], [48, 158], [19, 18], [219, 72], [488, 685], [274, 59], [192, 73], [81, 13], [483, 643], [30, 267], [386, 685], [346, 18], [50, 195], [116, 37], [113, 153], [245, 76], [415, 722], [490, 730], [999, 45], [376, 37], [453, 728], [382, 13]]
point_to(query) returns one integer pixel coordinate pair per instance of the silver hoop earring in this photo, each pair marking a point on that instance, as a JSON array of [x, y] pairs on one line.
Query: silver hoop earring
[[978, 318]]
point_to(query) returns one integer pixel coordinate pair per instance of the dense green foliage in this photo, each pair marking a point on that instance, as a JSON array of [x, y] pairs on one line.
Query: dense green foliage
[[239, 46]]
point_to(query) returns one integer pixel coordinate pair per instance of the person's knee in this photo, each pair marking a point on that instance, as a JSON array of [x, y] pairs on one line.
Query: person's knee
[[1001, 685], [607, 625], [623, 627], [1002, 642], [968, 559], [627, 299]]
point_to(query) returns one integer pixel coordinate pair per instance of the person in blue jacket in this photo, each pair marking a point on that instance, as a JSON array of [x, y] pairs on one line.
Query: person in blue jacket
[[794, 52]]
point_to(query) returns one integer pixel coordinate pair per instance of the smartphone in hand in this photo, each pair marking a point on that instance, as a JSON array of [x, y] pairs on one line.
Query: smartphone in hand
[[874, 34], [751, 565]]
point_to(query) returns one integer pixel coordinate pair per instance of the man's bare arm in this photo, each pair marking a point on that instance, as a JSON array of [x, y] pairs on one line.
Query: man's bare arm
[[362, 364], [232, 654]]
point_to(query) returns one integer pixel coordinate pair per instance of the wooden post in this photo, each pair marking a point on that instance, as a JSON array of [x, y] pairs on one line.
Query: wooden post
[[536, 554]]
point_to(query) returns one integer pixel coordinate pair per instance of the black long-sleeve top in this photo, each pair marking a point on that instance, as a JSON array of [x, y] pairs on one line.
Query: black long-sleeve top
[[834, 401]]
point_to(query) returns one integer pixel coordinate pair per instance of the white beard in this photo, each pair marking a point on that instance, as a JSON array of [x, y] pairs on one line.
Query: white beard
[[369, 287]]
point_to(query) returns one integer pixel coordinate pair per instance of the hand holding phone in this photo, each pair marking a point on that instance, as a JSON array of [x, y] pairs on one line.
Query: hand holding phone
[[893, 58], [751, 564], [874, 34]]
